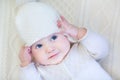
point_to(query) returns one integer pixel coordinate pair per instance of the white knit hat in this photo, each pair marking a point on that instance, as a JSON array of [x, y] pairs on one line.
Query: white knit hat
[[36, 20]]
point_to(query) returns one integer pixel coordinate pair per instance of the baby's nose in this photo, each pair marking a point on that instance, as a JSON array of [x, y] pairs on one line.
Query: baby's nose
[[50, 48]]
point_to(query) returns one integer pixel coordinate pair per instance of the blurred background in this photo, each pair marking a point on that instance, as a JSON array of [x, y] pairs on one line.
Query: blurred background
[[102, 16]]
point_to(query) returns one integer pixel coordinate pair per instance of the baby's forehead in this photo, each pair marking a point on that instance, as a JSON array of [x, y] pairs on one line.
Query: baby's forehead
[[56, 33]]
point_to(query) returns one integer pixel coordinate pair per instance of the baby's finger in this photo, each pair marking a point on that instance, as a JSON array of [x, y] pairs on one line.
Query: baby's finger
[[59, 23], [62, 18]]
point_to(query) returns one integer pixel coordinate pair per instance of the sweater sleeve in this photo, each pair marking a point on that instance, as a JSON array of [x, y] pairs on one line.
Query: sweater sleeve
[[96, 44], [29, 73]]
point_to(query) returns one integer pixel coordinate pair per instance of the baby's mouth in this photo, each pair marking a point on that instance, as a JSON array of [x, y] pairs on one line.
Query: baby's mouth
[[52, 56]]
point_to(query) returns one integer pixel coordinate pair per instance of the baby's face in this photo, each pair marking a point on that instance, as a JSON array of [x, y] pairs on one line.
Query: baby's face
[[51, 50]]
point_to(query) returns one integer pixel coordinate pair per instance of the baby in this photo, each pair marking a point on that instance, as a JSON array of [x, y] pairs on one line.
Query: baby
[[56, 49]]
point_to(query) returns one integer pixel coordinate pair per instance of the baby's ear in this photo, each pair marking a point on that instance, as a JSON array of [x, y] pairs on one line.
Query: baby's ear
[[30, 52]]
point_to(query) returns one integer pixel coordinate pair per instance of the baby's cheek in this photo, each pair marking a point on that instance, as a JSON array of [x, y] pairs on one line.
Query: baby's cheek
[[40, 59]]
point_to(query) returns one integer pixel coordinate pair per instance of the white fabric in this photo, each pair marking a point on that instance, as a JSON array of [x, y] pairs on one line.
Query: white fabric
[[30, 73], [99, 49], [78, 65], [36, 20]]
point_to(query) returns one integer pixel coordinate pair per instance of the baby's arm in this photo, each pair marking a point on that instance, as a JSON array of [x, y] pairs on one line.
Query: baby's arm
[[95, 44], [28, 70]]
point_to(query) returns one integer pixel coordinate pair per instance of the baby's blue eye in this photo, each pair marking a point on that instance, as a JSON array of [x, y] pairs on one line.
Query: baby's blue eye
[[38, 45], [54, 37]]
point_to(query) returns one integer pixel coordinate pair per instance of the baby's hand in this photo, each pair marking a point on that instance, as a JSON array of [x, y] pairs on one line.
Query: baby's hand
[[67, 28], [25, 56]]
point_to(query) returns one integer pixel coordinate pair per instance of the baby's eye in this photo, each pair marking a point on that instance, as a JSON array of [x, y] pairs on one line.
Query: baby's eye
[[38, 45], [54, 37]]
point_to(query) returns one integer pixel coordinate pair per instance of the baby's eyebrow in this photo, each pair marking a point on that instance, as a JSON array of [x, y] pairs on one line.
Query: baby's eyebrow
[[53, 34]]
